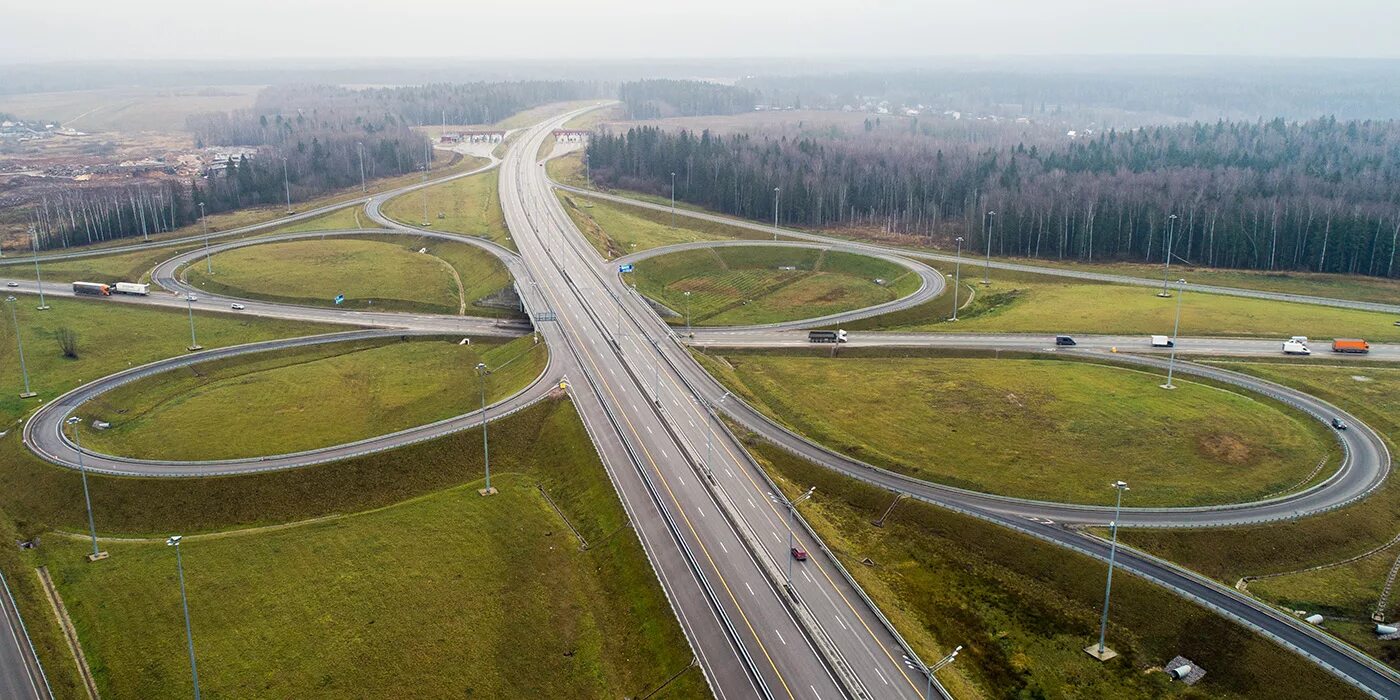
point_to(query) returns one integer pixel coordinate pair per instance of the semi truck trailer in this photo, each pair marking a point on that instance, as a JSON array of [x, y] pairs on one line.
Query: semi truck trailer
[[1350, 345], [132, 288], [837, 336], [96, 289]]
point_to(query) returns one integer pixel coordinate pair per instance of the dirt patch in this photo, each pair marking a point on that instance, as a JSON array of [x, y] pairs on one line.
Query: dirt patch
[[1225, 447]]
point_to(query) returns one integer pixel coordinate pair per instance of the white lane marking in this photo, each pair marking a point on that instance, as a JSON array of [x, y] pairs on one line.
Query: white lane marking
[[780, 636], [841, 622], [776, 537], [726, 549], [808, 576], [726, 471], [751, 504], [814, 692], [746, 585], [649, 430], [702, 514], [664, 455], [882, 676]]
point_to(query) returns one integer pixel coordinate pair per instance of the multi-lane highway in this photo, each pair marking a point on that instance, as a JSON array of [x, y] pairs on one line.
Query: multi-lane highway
[[712, 524]]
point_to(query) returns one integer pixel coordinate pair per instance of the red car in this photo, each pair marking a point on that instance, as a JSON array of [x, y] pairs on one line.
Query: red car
[[799, 554]]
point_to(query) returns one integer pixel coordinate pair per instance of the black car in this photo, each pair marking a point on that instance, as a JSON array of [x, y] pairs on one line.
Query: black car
[[1064, 340], [1339, 424]]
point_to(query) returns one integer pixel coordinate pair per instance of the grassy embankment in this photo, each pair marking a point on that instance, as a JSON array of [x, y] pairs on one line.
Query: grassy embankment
[[306, 398], [1034, 428], [468, 205], [444, 595], [749, 285], [376, 273], [616, 229], [1031, 303], [1348, 592], [1024, 610]]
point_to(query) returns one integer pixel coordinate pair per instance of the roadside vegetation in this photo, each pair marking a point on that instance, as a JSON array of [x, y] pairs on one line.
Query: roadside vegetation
[[1346, 593], [467, 205], [113, 336], [1034, 428], [451, 594], [751, 285], [616, 230], [351, 217], [306, 398], [1024, 610]]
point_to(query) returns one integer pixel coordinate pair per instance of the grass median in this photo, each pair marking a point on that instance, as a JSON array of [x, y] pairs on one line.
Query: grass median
[[468, 205], [616, 230]]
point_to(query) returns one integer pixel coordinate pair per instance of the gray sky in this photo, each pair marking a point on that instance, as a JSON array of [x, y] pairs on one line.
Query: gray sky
[[135, 29]]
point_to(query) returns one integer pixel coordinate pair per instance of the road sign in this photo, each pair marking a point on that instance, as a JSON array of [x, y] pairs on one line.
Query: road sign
[[625, 268], [340, 298]]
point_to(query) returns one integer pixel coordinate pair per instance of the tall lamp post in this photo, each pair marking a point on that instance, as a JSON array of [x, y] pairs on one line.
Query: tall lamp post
[[1167, 263], [34, 243], [673, 200], [957, 277], [928, 671], [208, 266], [23, 369], [791, 506], [482, 372], [987, 223], [1176, 328], [174, 541], [287, 184], [189, 304], [1099, 651], [775, 213], [687, 313], [97, 554], [361, 146]]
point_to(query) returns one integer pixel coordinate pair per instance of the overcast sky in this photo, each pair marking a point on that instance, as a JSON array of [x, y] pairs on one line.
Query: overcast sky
[[138, 29]]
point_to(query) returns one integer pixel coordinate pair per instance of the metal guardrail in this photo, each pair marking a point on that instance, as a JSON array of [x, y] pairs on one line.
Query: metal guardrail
[[24, 631]]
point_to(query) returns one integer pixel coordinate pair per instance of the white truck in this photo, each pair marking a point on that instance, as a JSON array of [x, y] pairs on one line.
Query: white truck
[[132, 288], [1295, 347], [1161, 341]]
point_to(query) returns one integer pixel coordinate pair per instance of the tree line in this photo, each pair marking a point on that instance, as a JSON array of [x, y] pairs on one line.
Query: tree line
[[1320, 195], [654, 99]]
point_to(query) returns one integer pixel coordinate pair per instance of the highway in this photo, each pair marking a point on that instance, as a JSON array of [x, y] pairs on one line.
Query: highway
[[704, 511]]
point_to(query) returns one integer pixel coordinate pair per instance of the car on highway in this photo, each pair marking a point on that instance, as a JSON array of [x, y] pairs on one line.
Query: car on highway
[[799, 554], [1064, 340], [237, 307], [1339, 424], [16, 284]]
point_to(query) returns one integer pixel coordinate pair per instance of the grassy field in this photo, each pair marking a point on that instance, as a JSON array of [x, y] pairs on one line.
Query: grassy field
[[306, 398], [1024, 610], [348, 218], [747, 285], [387, 274], [129, 109], [1350, 591], [1035, 428], [616, 229], [469, 205], [113, 336], [1031, 303], [445, 595]]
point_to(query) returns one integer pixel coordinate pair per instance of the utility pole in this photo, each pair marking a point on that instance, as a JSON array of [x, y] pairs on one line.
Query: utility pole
[[1167, 263], [673, 201], [1099, 651], [209, 266], [482, 372], [287, 184], [34, 243], [957, 277], [587, 171], [174, 541], [791, 506], [775, 213], [361, 147], [928, 671], [24, 371], [1171, 364], [97, 555], [687, 313], [194, 344], [427, 160], [988, 222]]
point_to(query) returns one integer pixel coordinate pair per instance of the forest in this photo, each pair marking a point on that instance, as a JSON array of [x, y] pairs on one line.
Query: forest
[[655, 99], [1321, 195]]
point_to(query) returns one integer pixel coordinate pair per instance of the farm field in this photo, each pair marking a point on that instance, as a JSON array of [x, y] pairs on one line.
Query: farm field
[[754, 285], [129, 109]]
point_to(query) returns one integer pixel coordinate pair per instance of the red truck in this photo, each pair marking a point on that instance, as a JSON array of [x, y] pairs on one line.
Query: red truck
[[1350, 345]]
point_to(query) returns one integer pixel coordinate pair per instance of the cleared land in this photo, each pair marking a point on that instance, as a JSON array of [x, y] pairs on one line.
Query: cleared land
[[374, 273], [1032, 303], [1349, 592], [1024, 610], [129, 109], [752, 285], [1035, 428], [446, 595], [113, 336], [468, 205], [306, 398], [616, 229]]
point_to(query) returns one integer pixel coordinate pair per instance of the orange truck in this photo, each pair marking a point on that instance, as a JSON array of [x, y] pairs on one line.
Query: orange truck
[[1350, 345]]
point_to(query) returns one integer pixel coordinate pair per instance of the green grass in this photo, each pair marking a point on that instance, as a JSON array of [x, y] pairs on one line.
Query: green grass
[[1024, 610], [616, 230], [348, 218], [135, 266], [749, 285], [1229, 554], [446, 595], [1032, 303], [44, 632], [302, 399], [377, 273], [468, 205], [113, 336], [1036, 428]]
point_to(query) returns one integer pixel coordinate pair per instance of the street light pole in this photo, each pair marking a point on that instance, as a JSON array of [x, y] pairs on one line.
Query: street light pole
[[673, 200], [287, 184], [1167, 263], [174, 541], [928, 671], [957, 277], [792, 515], [1101, 652], [482, 372], [208, 266], [987, 223], [1176, 328], [23, 369], [189, 304], [687, 313], [87, 498], [775, 213], [34, 243], [361, 147]]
